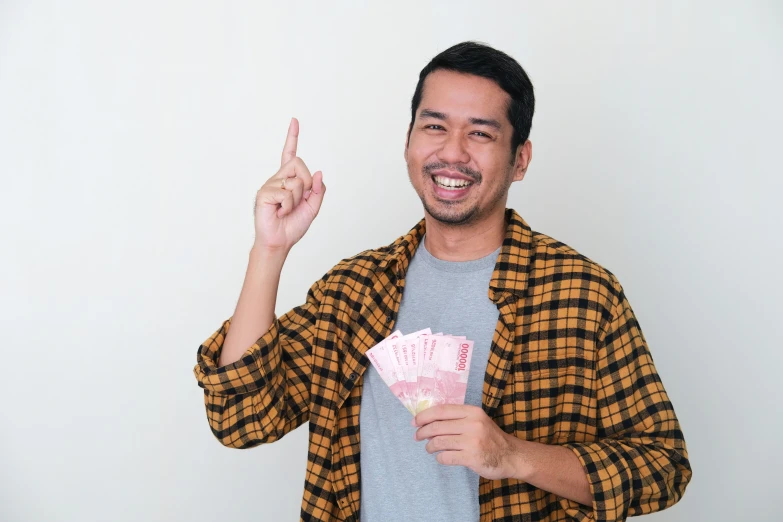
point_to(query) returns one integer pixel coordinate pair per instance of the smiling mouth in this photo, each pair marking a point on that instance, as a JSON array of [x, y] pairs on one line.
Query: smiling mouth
[[451, 183]]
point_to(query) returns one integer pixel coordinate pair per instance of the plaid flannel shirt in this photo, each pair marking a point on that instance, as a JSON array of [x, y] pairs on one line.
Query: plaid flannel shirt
[[568, 365]]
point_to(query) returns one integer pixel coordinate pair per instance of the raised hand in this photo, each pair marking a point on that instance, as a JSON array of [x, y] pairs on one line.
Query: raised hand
[[288, 202]]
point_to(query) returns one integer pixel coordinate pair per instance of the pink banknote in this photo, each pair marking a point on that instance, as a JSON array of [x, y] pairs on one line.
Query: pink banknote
[[422, 369], [380, 359], [451, 379], [393, 354]]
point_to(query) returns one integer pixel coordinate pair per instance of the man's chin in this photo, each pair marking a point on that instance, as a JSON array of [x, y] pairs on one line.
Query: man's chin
[[450, 213]]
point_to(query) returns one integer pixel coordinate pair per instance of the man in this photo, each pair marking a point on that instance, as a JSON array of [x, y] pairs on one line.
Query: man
[[565, 416]]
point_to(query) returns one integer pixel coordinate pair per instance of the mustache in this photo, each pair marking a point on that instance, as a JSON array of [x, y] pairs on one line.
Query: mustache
[[473, 174]]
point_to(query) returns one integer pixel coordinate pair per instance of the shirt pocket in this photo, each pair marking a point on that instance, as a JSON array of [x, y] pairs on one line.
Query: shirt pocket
[[554, 400]]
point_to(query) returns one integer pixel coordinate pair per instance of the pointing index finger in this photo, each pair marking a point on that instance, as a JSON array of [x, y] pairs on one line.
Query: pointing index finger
[[291, 141]]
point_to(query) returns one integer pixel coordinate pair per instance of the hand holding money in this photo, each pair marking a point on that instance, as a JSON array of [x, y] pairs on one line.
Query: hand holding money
[[428, 373], [464, 435], [288, 202]]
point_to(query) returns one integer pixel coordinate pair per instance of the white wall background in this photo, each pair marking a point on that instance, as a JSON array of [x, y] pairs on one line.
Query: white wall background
[[133, 136]]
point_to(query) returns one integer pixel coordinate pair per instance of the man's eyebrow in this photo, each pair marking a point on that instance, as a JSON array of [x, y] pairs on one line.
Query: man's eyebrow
[[428, 113], [484, 121]]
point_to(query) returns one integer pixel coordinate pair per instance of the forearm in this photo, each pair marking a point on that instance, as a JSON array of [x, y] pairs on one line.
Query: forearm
[[255, 310], [553, 468]]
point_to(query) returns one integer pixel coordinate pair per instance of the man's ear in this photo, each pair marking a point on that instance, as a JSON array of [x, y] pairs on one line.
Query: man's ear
[[407, 140], [522, 160]]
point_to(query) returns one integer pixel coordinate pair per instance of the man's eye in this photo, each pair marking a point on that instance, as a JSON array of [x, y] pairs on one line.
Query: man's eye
[[435, 126]]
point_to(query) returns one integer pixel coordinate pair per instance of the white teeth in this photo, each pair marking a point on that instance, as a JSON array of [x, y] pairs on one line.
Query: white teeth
[[450, 182]]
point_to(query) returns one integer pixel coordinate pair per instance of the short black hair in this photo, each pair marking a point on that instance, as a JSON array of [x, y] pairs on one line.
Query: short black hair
[[482, 60]]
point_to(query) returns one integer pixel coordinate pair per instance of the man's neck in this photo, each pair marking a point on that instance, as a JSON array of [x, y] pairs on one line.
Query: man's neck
[[465, 243]]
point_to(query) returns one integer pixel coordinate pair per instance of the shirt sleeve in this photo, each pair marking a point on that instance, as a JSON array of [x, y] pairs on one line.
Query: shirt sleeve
[[266, 393], [639, 463]]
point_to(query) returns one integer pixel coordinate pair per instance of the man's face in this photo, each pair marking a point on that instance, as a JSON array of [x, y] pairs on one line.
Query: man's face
[[462, 136]]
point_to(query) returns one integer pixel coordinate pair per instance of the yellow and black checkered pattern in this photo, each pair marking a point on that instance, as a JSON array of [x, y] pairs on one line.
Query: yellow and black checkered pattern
[[568, 365]]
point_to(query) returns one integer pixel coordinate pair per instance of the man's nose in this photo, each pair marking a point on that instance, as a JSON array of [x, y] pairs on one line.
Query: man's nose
[[454, 150]]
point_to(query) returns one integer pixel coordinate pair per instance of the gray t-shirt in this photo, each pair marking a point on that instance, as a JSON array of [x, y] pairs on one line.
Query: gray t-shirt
[[399, 479]]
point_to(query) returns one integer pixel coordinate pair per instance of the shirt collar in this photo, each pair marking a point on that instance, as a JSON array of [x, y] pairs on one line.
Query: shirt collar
[[511, 268]]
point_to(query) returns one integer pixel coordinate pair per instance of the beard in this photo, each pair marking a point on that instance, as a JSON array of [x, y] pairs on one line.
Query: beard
[[451, 212], [457, 213]]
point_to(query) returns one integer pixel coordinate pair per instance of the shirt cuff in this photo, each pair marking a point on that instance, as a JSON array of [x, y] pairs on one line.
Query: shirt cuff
[[601, 480], [251, 372]]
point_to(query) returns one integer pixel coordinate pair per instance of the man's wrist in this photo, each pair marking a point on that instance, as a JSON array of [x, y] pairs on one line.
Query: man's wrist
[[268, 261], [519, 464]]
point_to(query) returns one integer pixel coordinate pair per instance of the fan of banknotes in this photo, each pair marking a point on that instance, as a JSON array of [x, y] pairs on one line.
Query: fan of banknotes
[[423, 369]]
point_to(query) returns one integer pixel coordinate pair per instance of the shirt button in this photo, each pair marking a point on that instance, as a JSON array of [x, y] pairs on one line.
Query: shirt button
[[352, 376], [388, 318]]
